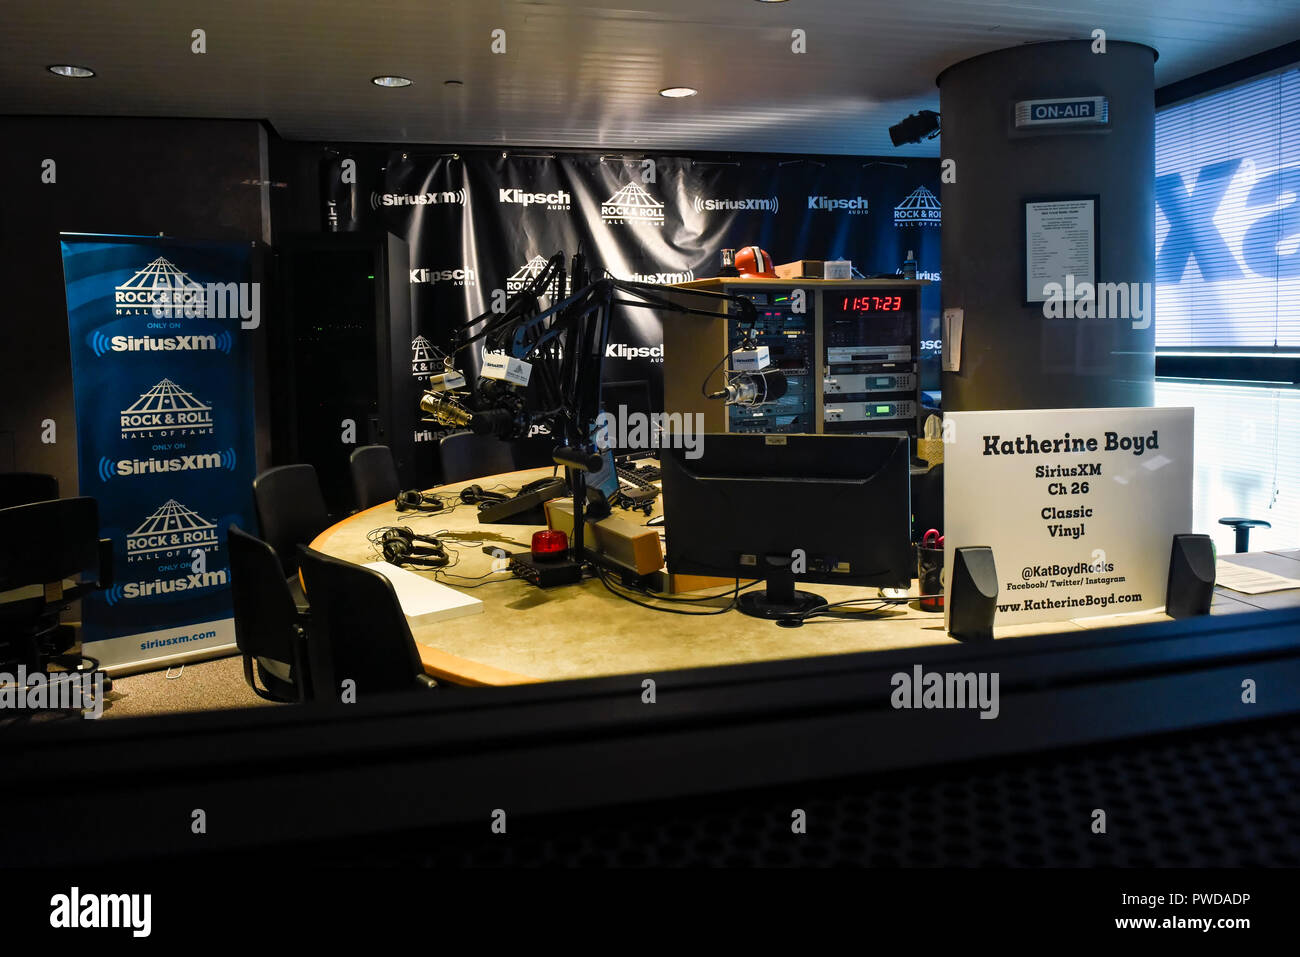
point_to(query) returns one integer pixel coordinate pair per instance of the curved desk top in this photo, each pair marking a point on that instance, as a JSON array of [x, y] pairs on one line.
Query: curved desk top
[[528, 634]]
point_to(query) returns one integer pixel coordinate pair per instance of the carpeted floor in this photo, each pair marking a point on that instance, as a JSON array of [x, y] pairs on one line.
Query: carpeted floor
[[206, 686]]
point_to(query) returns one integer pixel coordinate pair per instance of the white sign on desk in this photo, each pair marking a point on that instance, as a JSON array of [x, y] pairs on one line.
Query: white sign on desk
[[1079, 506]]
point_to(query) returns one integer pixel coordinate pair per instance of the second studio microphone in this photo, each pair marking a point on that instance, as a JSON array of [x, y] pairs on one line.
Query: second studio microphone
[[754, 388]]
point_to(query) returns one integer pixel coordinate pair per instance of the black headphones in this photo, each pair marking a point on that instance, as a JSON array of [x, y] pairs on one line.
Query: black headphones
[[399, 548], [414, 500], [475, 493]]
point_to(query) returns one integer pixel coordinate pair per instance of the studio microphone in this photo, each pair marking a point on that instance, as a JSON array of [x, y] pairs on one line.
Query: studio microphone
[[498, 422], [755, 388], [446, 410]]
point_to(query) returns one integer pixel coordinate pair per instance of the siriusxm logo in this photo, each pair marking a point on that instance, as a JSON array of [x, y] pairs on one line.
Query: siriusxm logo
[[166, 586], [101, 344], [455, 197], [767, 204], [621, 350], [663, 278], [518, 197], [203, 461], [463, 276], [857, 204]]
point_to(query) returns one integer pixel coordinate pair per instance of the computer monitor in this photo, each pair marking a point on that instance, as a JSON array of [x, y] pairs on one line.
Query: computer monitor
[[832, 509], [631, 396]]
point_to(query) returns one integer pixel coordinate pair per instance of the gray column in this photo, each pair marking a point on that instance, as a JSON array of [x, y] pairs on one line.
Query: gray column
[[1013, 357]]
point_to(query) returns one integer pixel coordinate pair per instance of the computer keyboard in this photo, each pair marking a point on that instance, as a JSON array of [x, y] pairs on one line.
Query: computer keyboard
[[635, 490]]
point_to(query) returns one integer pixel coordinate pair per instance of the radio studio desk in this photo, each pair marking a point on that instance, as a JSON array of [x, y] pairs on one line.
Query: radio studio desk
[[527, 634]]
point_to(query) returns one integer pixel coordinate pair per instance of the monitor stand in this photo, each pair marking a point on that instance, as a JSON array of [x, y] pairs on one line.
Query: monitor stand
[[780, 599]]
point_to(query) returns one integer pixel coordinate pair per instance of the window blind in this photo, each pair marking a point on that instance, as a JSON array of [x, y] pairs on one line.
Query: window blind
[[1228, 217]]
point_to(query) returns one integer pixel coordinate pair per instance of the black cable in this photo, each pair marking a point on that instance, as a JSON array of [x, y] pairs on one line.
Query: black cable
[[504, 574], [705, 384], [659, 596], [671, 611], [876, 605]]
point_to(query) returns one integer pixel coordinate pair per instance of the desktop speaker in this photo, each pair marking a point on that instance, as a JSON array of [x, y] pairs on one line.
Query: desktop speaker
[[1191, 576], [972, 594]]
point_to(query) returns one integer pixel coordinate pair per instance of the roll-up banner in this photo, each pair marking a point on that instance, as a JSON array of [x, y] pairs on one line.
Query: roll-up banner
[[485, 220], [160, 334]]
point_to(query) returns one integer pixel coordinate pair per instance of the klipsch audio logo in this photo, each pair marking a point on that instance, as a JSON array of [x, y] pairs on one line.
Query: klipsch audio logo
[[621, 350], [166, 410], [632, 204], [173, 530], [453, 197], [423, 361], [162, 291], [518, 197], [921, 208], [855, 204], [461, 276], [201, 461], [102, 345], [662, 278], [766, 204]]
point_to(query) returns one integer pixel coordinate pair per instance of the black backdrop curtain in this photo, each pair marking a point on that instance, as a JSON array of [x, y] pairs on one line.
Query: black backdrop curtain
[[481, 220]]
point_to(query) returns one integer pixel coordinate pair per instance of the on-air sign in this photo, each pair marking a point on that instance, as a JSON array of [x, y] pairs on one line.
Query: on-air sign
[[1069, 111]]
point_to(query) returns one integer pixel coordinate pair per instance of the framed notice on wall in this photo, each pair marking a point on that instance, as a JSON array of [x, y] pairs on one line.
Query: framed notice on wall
[[1061, 246]]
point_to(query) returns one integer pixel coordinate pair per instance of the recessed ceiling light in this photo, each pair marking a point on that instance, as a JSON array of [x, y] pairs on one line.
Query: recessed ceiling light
[[678, 91], [390, 81], [453, 83], [64, 69], [771, 1]]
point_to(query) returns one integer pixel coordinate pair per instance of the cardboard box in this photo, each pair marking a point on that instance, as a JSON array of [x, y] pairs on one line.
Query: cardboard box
[[631, 545], [801, 269]]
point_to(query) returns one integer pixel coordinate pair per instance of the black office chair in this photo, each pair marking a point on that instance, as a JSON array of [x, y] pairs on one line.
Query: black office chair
[[927, 501], [465, 455], [1241, 528], [50, 556], [23, 488], [374, 475], [358, 624], [533, 453], [291, 512], [270, 631]]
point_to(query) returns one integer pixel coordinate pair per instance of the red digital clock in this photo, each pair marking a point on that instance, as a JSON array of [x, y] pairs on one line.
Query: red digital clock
[[872, 304]]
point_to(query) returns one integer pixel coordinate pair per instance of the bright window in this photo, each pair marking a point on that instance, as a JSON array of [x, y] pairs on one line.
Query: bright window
[[1247, 459]]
